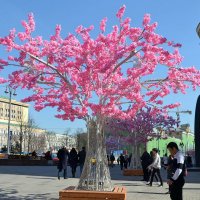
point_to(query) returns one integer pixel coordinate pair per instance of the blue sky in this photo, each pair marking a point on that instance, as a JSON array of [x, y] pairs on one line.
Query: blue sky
[[177, 21]]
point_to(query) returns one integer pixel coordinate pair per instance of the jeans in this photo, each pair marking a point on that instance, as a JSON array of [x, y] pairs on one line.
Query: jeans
[[73, 171], [156, 171], [64, 173], [81, 168]]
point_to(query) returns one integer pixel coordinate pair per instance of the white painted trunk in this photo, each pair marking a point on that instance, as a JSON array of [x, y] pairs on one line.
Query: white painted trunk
[[135, 160], [96, 174]]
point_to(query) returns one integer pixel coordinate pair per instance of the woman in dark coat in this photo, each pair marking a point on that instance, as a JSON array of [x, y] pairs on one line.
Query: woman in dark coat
[[73, 160]]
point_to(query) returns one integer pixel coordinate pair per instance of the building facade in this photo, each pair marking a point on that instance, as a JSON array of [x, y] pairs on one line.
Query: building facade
[[18, 115], [57, 141], [21, 131]]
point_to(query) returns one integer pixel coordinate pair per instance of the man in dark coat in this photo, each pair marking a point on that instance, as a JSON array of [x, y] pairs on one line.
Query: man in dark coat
[[146, 161], [112, 159], [81, 158], [122, 161], [73, 161], [62, 164]]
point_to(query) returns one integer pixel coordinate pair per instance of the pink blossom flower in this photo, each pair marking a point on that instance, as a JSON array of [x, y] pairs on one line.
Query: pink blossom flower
[[120, 12], [146, 19], [107, 75], [103, 24]]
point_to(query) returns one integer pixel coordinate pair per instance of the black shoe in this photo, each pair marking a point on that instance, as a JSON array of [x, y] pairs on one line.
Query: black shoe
[[160, 185], [58, 176], [149, 184]]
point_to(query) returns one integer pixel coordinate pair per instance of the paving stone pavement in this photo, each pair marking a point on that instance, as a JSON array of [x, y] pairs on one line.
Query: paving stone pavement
[[31, 183]]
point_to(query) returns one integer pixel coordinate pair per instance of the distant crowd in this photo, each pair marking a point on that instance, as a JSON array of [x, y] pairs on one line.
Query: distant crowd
[[175, 164], [73, 158]]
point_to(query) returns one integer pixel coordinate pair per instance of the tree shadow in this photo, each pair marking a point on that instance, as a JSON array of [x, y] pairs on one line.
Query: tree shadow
[[129, 184], [191, 188], [156, 193], [12, 194], [42, 171]]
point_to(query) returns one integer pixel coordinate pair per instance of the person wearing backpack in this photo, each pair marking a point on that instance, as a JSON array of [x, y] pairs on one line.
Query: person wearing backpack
[[177, 181]]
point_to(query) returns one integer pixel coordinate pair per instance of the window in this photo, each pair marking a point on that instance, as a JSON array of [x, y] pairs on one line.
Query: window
[[1, 112]]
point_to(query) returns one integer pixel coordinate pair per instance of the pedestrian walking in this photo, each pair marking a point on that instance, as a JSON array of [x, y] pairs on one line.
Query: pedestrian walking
[[122, 161], [145, 161], [81, 158], [126, 161], [112, 159], [62, 155], [155, 166], [169, 169], [150, 170], [34, 154], [73, 161], [177, 181], [118, 160], [189, 160], [165, 161], [129, 160]]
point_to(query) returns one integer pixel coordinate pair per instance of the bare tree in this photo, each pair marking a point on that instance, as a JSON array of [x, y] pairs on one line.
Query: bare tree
[[29, 132], [66, 137], [50, 137], [39, 142], [81, 138], [22, 122]]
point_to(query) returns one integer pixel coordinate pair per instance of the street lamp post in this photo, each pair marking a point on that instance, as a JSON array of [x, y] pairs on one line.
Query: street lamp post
[[197, 120], [11, 92]]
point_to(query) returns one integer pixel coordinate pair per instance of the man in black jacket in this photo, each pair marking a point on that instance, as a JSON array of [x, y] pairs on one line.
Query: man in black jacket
[[81, 158], [62, 164], [176, 182], [146, 161]]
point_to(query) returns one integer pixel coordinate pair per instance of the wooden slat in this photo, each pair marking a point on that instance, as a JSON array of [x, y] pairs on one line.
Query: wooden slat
[[119, 193]]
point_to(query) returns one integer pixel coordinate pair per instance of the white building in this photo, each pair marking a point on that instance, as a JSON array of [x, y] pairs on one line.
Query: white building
[[57, 141]]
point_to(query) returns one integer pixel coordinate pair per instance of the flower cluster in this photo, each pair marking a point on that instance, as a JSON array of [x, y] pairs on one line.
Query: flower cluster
[[83, 76], [143, 127]]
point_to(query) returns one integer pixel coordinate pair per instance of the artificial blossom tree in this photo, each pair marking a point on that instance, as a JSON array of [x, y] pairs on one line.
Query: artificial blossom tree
[[137, 131], [96, 78]]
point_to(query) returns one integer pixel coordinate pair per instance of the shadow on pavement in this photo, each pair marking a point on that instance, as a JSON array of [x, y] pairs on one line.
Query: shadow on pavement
[[158, 193], [191, 189], [13, 194], [51, 173], [45, 171]]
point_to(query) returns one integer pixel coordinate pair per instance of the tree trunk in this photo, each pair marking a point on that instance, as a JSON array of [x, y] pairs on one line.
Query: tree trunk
[[20, 143], [135, 159], [28, 145], [96, 174]]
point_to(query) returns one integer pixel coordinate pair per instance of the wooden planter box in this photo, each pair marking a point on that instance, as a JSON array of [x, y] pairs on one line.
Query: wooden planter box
[[16, 162], [133, 172], [119, 193]]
